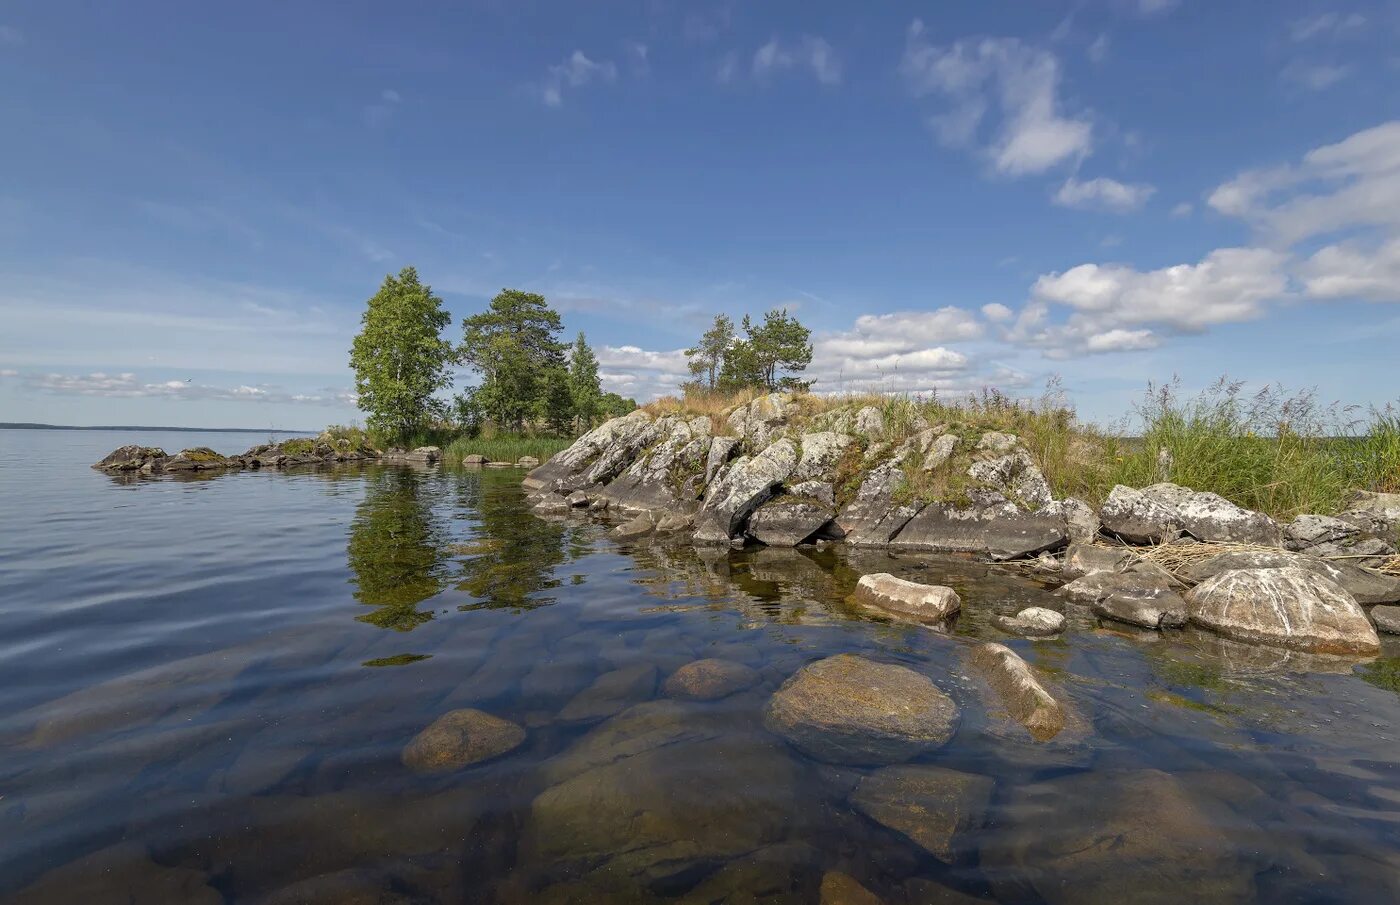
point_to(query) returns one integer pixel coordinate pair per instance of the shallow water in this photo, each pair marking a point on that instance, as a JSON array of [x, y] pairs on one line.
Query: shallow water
[[206, 686]]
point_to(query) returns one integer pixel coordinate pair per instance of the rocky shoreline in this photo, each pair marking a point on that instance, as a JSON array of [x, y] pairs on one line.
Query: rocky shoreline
[[770, 475], [300, 451]]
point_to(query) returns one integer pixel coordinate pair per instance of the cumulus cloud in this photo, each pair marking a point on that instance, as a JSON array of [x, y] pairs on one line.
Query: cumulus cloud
[[1354, 270], [997, 312], [875, 335], [1030, 133], [126, 385], [1103, 194], [809, 53], [576, 71]]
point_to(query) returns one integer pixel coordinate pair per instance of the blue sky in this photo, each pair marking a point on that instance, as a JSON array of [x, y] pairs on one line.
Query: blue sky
[[198, 198]]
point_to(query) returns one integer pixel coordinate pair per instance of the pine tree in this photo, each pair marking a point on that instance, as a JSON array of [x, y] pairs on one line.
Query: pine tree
[[583, 383], [707, 358], [514, 345]]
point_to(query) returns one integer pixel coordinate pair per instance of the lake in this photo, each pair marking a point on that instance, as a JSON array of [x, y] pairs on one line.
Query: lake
[[207, 685]]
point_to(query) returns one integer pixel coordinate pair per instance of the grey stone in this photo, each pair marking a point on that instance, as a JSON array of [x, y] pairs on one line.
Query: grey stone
[[820, 491], [427, 455], [1018, 689], [747, 484], [578, 499], [1212, 518], [1365, 586], [1035, 621], [870, 422], [1323, 535], [1000, 531], [761, 421], [1168, 494], [132, 458], [936, 448], [1145, 598], [638, 527], [1289, 607], [552, 504], [1016, 477], [527, 462], [1166, 610], [570, 464], [474, 459], [1387, 618], [460, 738], [1378, 513], [1081, 521], [821, 454], [873, 517], [997, 442], [930, 805], [849, 710], [710, 679], [1138, 518], [1085, 559], [787, 522], [721, 450], [926, 603], [652, 480]]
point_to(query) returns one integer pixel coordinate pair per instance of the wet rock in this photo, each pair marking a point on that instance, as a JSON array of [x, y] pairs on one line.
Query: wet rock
[[460, 738], [1035, 621], [748, 483], [611, 693], [1214, 519], [1289, 607], [1100, 837], [636, 528], [1081, 521], [1020, 692], [352, 886], [926, 603], [1387, 618], [997, 442], [1365, 586], [527, 462], [425, 455], [578, 499], [788, 521], [710, 679], [820, 491], [1166, 610], [1085, 559], [873, 517], [1138, 518], [1147, 599], [999, 531], [843, 889], [552, 504], [846, 709], [652, 794], [786, 872], [132, 458], [1016, 477], [120, 874], [1323, 535], [930, 805], [821, 453]]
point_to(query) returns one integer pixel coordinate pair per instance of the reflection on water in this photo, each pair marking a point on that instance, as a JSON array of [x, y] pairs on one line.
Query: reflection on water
[[199, 702]]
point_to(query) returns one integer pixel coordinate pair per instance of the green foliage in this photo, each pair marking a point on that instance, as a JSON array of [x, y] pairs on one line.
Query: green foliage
[[399, 358], [584, 388], [557, 406], [758, 360], [514, 345], [707, 357], [298, 446], [615, 406], [356, 435], [504, 447], [395, 551]]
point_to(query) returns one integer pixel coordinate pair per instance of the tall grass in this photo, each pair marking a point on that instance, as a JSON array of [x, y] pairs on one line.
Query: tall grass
[[505, 447]]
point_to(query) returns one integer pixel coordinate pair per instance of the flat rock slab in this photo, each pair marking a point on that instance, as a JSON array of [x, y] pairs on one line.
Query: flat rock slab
[[460, 738], [1034, 621], [610, 693], [1289, 607], [998, 532], [1019, 690], [924, 602], [931, 805], [1139, 518], [849, 710], [710, 680], [788, 522], [1086, 559], [1165, 610]]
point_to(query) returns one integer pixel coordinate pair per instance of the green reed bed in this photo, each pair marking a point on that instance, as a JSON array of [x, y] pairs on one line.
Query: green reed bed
[[505, 447]]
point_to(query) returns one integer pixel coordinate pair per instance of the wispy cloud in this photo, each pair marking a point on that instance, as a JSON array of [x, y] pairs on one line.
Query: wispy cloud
[[576, 71], [1103, 194], [1332, 24], [808, 53], [378, 114], [1316, 76], [128, 386]]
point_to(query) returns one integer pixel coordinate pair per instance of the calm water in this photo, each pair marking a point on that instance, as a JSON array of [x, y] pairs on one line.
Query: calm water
[[206, 686]]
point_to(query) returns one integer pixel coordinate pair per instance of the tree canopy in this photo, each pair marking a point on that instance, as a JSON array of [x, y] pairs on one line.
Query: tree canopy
[[725, 360], [399, 357], [515, 346]]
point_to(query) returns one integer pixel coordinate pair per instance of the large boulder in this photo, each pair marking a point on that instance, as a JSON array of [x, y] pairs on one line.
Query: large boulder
[[849, 710], [623, 436], [1146, 598], [710, 679], [926, 603], [1138, 518], [425, 455], [1378, 513], [875, 516], [198, 458], [1212, 518], [821, 454], [1289, 607], [1365, 586], [132, 458], [1323, 535], [460, 738], [1014, 476], [870, 423], [1106, 838], [654, 479], [722, 449], [999, 531], [749, 482], [930, 805], [1387, 619], [788, 521], [761, 421], [1081, 521], [1018, 689]]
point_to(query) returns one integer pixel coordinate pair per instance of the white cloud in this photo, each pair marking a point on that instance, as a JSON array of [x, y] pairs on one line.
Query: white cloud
[[1031, 135], [875, 335], [1316, 76], [1103, 194], [576, 71], [8, 372], [640, 56], [391, 96], [126, 385], [1354, 270], [1325, 25], [380, 113], [1184, 209], [808, 52], [997, 312], [1099, 49]]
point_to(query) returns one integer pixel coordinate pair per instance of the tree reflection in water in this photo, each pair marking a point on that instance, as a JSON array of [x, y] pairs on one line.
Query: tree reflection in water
[[397, 548], [513, 553]]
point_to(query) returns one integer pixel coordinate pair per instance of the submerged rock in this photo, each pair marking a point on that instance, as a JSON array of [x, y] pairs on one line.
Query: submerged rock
[[120, 874], [931, 805], [610, 693], [926, 603], [1138, 518], [1290, 607], [710, 679], [788, 521], [1025, 699], [460, 738], [843, 889], [849, 710], [1035, 621]]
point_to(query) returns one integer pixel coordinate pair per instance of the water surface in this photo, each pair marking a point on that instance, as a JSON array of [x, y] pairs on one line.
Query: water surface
[[206, 684]]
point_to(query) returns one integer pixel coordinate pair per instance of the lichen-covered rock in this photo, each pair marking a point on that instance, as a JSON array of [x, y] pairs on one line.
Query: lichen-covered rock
[[926, 603], [721, 449], [849, 710], [999, 531], [1212, 518], [617, 438], [1033, 622], [870, 422], [930, 805], [819, 491], [1016, 477], [787, 521], [710, 679], [1081, 521], [460, 738], [747, 484], [132, 458], [821, 453], [654, 479], [761, 421], [1085, 559], [1387, 618], [1289, 607], [198, 458], [1019, 691], [874, 517], [1138, 518], [997, 442], [1378, 513], [936, 448], [1365, 586], [551, 504], [1323, 535], [1145, 598]]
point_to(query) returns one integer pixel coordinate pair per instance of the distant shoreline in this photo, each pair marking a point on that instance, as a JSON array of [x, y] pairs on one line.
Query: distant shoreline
[[29, 425]]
